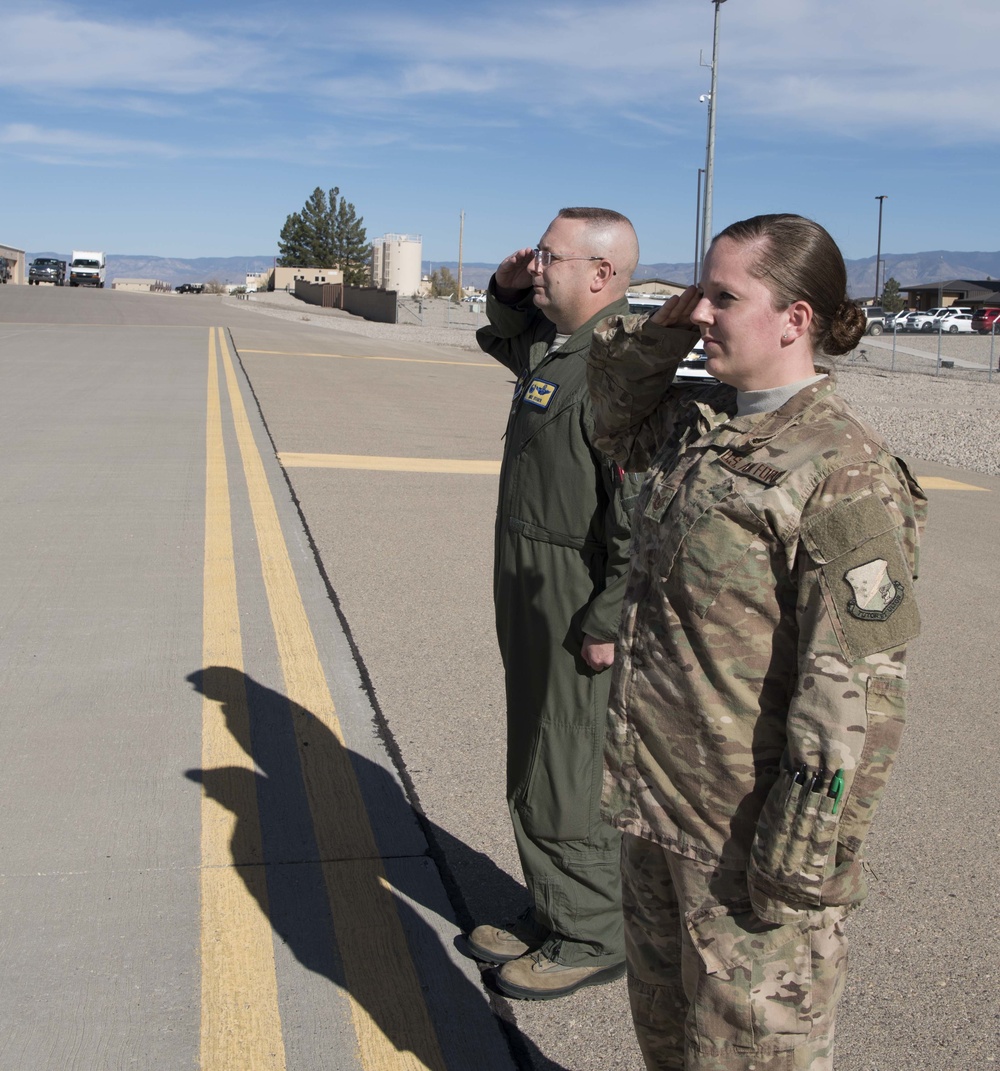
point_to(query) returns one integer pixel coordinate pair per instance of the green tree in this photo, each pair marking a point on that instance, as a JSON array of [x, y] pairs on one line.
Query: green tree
[[351, 247], [326, 233], [443, 283], [294, 245], [892, 300]]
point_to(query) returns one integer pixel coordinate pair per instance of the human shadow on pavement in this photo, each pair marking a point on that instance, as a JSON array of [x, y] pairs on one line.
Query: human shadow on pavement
[[315, 849]]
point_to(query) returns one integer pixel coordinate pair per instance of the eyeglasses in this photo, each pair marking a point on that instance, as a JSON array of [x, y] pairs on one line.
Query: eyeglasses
[[543, 258]]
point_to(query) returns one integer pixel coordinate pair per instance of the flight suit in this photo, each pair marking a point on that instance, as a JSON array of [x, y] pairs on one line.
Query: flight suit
[[561, 556]]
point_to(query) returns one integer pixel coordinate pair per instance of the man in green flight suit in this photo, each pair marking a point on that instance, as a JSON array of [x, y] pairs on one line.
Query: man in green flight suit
[[562, 536]]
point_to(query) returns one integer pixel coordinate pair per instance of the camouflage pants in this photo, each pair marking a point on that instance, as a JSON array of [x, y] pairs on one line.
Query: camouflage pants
[[712, 987]]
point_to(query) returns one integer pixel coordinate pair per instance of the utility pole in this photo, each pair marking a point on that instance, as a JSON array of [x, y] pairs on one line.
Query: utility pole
[[706, 233], [461, 235], [878, 249], [697, 230]]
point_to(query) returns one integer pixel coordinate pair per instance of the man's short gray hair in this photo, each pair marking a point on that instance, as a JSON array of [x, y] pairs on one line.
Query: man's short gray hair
[[613, 235], [605, 217]]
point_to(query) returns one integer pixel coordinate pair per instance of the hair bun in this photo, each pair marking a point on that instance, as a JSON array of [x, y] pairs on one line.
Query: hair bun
[[846, 329]]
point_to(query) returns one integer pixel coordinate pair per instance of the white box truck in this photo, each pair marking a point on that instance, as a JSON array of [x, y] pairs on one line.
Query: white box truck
[[86, 268]]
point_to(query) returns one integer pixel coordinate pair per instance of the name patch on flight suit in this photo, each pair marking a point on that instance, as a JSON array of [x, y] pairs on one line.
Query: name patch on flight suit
[[540, 393]]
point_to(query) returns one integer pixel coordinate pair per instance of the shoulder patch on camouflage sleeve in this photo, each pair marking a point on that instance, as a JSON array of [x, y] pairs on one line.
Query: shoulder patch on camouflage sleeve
[[876, 595], [866, 581]]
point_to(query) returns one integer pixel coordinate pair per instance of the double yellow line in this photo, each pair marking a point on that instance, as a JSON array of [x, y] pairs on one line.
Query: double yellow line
[[241, 1025]]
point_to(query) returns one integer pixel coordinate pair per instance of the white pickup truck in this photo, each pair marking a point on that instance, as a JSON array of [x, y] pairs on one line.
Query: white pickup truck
[[86, 268]]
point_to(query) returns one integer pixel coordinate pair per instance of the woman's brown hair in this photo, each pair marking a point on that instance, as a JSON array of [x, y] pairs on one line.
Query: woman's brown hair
[[798, 261]]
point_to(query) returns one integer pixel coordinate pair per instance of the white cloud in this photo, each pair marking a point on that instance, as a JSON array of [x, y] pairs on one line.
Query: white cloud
[[791, 67], [30, 139], [854, 67], [27, 134], [52, 48], [425, 78], [848, 66]]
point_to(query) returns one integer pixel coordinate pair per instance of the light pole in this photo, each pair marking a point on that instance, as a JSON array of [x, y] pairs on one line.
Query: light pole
[[706, 231], [697, 231], [461, 235], [704, 209], [878, 249]]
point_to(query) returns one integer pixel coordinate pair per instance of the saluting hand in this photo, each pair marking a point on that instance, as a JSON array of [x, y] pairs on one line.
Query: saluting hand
[[676, 311], [513, 274]]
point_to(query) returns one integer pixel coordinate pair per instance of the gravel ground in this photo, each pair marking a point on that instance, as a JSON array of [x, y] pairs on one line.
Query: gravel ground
[[925, 411]]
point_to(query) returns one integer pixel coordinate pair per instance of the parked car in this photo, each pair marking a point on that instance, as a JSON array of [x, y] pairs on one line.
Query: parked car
[[190, 288], [986, 320], [692, 369], [875, 318], [949, 310], [929, 320], [952, 310], [919, 321], [896, 321], [640, 303], [942, 316], [954, 324]]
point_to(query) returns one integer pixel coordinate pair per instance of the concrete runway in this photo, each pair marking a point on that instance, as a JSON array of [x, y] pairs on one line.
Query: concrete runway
[[108, 863]]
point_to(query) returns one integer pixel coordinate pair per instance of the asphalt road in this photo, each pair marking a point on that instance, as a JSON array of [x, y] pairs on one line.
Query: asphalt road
[[179, 871]]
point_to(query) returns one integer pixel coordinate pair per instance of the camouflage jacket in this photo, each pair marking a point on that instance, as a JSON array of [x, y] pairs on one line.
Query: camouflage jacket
[[759, 688]]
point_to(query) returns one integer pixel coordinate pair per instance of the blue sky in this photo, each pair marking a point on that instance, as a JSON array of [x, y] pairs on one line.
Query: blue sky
[[193, 130]]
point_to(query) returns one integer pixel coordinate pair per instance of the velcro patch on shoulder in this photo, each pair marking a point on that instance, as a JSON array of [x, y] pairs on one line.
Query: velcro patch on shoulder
[[865, 577], [846, 525]]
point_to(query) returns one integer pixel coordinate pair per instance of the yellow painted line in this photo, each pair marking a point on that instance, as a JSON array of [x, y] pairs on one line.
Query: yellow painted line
[[388, 464], [367, 357], [240, 1023], [369, 463], [940, 483], [391, 1019]]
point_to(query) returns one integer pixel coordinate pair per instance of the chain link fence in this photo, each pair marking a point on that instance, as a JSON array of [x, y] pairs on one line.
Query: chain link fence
[[442, 312], [932, 353], [935, 353]]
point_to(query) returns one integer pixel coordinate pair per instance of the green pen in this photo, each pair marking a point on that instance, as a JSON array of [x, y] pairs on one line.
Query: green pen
[[836, 789]]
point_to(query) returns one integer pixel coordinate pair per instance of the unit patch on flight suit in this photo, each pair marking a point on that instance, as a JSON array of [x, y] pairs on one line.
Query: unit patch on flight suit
[[540, 393]]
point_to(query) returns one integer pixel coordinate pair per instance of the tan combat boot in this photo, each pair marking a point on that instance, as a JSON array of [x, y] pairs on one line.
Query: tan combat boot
[[536, 977], [501, 944]]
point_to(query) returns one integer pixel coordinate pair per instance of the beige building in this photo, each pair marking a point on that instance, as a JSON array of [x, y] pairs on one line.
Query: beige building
[[284, 278], [12, 270], [657, 286], [141, 286], [396, 262], [258, 280]]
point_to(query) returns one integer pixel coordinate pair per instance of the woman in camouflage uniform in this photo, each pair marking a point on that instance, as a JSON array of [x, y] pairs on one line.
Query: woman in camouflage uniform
[[759, 685]]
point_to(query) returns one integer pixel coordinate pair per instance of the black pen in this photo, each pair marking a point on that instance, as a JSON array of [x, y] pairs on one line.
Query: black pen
[[817, 781], [798, 778]]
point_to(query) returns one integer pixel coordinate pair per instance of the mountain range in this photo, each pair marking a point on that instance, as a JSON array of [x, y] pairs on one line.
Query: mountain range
[[908, 269]]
